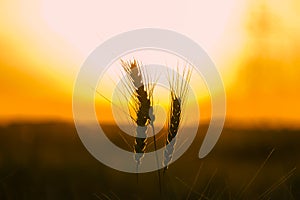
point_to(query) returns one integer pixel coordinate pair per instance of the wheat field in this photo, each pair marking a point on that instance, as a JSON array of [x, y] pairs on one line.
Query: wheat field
[[48, 161]]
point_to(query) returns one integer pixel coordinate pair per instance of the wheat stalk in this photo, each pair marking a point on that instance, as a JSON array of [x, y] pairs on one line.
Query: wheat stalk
[[142, 95], [179, 89]]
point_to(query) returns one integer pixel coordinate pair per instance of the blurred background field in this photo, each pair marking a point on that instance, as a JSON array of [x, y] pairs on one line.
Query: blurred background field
[[48, 161], [254, 44]]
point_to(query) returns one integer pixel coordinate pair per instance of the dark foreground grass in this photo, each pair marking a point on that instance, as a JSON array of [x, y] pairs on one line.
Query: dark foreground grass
[[48, 161]]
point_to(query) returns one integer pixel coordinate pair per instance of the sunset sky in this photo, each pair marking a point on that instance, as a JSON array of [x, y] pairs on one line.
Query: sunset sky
[[255, 46]]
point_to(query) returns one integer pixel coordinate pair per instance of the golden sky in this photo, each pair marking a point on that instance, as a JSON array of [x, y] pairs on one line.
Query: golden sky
[[255, 46]]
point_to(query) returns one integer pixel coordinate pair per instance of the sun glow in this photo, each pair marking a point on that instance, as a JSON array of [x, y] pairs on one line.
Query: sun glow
[[44, 43]]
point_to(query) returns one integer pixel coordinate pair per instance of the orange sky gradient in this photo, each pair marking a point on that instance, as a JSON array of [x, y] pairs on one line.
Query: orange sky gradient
[[255, 46]]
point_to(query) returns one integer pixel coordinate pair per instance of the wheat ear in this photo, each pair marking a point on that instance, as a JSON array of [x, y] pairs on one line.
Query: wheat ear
[[141, 95], [179, 89]]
